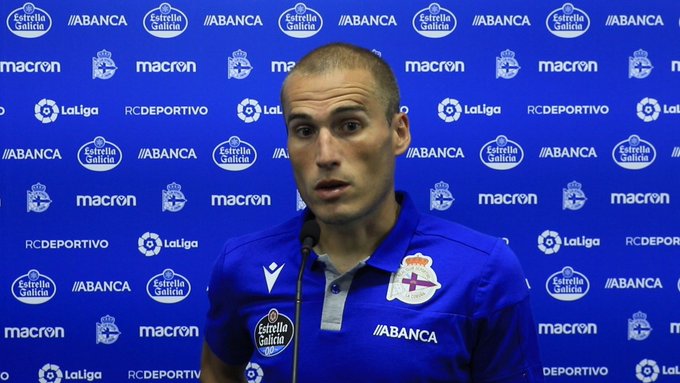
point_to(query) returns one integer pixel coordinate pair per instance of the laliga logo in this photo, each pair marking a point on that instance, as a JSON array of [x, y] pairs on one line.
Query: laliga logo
[[449, 110], [46, 111], [647, 371], [648, 109], [254, 373], [249, 110], [150, 244], [50, 373], [549, 242]]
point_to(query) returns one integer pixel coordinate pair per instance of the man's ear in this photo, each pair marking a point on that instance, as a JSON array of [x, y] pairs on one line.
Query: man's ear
[[402, 133]]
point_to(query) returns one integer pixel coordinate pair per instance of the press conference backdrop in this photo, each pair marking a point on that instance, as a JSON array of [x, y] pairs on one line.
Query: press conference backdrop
[[138, 136]]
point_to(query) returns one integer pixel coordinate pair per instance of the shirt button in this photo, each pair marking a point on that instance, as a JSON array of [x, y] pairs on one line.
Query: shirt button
[[335, 288]]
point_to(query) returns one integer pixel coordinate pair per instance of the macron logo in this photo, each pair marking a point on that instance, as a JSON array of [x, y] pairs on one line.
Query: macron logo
[[271, 274]]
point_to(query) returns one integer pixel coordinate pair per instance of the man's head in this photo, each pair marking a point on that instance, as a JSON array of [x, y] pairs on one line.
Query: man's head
[[344, 134], [341, 56]]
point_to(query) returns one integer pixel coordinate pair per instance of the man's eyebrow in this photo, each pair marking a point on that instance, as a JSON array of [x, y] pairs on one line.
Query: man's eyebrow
[[339, 110], [298, 116]]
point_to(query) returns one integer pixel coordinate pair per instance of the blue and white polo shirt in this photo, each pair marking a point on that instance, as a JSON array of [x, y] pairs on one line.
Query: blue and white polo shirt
[[436, 302]]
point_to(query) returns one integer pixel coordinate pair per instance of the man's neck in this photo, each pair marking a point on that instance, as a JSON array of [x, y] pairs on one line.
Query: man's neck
[[349, 244]]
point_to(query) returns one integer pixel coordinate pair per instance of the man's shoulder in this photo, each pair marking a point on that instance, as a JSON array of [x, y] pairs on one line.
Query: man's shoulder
[[265, 238], [450, 233]]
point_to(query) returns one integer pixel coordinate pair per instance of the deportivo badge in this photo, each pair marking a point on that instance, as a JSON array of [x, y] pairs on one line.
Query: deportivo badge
[[415, 282]]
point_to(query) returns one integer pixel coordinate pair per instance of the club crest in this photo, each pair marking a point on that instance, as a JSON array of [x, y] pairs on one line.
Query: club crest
[[415, 282]]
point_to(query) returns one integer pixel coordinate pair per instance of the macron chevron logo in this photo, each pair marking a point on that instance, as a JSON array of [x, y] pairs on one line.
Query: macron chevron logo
[[271, 274]]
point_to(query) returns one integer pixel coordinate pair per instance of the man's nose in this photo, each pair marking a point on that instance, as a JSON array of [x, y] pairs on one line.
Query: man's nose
[[327, 149]]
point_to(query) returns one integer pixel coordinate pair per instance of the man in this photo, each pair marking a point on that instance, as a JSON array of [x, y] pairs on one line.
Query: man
[[388, 295]]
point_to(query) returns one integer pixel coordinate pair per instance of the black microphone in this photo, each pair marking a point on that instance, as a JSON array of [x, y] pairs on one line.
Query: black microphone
[[309, 237]]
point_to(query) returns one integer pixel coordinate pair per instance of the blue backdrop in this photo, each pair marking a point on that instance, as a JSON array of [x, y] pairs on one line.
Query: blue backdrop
[[136, 137]]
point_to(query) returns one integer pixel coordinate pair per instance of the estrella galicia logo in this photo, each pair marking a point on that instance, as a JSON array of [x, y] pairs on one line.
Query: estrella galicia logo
[[434, 22], [100, 155], [300, 21], [507, 66], [501, 154], [107, 330], [37, 199], [273, 333], [634, 153], [29, 21], [173, 198], [567, 285], [639, 66], [33, 288], [573, 197], [234, 155], [249, 110], [238, 66], [440, 197], [165, 22], [168, 287], [567, 22], [103, 67]]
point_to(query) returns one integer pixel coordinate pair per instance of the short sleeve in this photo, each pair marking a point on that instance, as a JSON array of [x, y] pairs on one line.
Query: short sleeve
[[507, 345], [225, 332]]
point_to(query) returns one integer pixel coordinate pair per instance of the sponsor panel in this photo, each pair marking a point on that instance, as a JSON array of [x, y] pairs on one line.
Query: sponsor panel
[[567, 285], [567, 22], [168, 287], [233, 20], [300, 22], [434, 22], [634, 153], [234, 155], [97, 20], [550, 242], [53, 373], [357, 20], [501, 154], [151, 244], [33, 288], [100, 155], [43, 332], [163, 375], [29, 21], [51, 66], [441, 197], [165, 22]]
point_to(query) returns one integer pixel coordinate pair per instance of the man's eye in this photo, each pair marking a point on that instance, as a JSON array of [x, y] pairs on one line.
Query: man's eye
[[351, 126], [304, 131]]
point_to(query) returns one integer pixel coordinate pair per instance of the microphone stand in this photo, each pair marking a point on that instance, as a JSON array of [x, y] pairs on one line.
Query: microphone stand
[[298, 306]]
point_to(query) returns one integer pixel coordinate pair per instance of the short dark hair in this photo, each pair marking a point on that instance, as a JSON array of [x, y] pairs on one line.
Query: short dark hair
[[347, 56]]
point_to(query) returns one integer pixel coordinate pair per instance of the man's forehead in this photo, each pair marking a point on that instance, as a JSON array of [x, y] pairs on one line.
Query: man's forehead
[[339, 88]]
